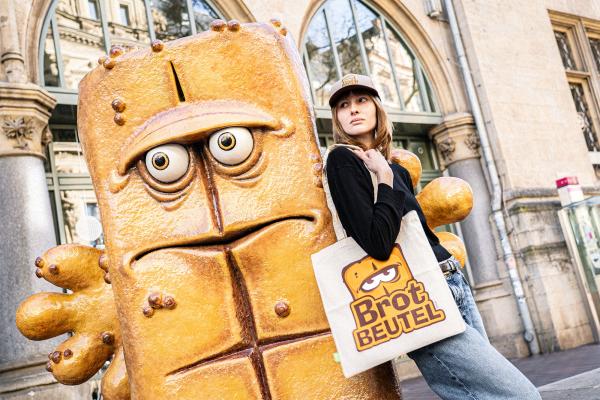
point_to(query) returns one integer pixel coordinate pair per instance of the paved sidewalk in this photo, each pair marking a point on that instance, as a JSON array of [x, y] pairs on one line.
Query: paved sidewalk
[[568, 374], [584, 386]]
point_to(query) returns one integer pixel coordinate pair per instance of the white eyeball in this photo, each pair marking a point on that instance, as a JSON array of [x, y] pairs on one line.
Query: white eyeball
[[167, 163], [386, 275], [231, 146], [370, 284]]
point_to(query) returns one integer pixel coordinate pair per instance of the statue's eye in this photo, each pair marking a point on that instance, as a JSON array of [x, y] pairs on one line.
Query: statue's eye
[[167, 163], [231, 146]]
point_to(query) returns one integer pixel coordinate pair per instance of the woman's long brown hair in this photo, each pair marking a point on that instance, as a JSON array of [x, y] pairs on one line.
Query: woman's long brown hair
[[383, 128]]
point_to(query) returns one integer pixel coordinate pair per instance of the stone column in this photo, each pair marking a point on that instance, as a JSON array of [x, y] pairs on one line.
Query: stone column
[[458, 146], [27, 226]]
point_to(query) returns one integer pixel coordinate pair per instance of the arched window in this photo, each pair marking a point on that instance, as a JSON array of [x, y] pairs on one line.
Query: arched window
[[77, 32], [350, 36]]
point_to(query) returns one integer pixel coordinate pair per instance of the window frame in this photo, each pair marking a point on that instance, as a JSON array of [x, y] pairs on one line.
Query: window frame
[[96, 9], [579, 30], [60, 181], [569, 31], [594, 111], [423, 120], [123, 7], [593, 32], [431, 113]]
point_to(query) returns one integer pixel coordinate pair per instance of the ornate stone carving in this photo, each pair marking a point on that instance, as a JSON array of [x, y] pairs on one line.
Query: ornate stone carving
[[19, 129], [24, 112], [456, 138], [446, 148], [472, 141]]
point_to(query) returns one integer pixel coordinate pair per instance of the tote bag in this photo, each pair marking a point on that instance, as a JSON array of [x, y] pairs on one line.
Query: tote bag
[[379, 310]]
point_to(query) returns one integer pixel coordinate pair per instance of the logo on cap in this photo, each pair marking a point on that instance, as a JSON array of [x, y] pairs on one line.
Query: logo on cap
[[349, 80]]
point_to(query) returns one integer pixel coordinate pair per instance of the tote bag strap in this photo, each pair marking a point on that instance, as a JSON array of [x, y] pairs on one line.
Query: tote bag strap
[[340, 232]]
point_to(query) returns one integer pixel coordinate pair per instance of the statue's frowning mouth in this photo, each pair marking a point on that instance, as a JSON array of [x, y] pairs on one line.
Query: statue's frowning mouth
[[230, 236]]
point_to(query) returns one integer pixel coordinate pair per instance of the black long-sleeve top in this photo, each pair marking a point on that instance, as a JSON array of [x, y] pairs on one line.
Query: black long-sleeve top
[[374, 225]]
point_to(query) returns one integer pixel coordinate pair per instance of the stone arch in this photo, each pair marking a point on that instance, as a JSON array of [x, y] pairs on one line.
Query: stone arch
[[33, 30], [444, 81]]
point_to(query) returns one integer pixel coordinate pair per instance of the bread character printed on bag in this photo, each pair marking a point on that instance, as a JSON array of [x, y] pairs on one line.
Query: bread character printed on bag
[[388, 301]]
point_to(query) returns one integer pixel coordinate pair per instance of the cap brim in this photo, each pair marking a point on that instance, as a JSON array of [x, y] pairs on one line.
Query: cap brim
[[342, 91]]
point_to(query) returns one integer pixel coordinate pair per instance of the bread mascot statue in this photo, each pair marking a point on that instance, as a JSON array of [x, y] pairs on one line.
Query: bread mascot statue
[[207, 170]]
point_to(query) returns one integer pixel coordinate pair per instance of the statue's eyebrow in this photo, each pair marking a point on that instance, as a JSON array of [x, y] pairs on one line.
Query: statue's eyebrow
[[190, 123]]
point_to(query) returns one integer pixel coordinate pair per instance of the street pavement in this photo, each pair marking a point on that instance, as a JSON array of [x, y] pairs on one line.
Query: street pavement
[[564, 375], [584, 386]]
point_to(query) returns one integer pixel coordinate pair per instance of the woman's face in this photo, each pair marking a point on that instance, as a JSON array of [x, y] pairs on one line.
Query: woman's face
[[357, 115]]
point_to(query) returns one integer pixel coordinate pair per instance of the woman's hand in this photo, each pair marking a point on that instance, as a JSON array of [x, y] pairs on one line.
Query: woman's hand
[[377, 164]]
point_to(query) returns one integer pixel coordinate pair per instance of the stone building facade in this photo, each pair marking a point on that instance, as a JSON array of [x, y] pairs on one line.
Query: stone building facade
[[535, 70]]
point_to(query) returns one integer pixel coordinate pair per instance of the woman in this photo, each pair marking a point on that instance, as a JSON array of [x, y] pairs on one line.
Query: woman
[[465, 366]]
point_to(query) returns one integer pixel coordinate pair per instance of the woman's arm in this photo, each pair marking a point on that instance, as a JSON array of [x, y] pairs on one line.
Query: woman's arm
[[374, 226]]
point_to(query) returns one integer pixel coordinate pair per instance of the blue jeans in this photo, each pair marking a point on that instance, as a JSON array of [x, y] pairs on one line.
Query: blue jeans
[[467, 366]]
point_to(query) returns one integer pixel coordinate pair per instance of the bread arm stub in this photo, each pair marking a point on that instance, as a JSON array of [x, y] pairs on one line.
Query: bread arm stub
[[410, 161], [454, 245], [445, 200], [88, 312]]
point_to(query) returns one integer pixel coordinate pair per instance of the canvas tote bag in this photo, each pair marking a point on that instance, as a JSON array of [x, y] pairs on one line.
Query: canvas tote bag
[[379, 310]]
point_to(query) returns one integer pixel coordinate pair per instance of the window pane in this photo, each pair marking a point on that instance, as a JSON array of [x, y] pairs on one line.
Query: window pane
[[322, 66], [324, 130], [565, 50], [64, 114], [68, 157], [94, 13], [339, 18], [203, 15], [127, 23], [171, 19], [50, 63], [430, 95], [405, 71], [81, 41], [595, 43], [369, 25], [399, 143], [583, 111], [421, 149], [63, 134], [124, 14]]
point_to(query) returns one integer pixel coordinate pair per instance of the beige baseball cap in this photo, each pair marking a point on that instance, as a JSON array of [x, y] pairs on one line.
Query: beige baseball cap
[[349, 82]]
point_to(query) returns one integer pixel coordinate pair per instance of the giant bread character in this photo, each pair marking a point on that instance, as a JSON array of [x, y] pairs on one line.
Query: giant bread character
[[206, 167]]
